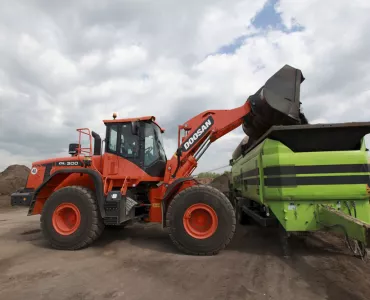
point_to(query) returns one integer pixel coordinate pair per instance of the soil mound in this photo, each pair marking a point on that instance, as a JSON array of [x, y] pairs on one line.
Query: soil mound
[[13, 178], [222, 182]]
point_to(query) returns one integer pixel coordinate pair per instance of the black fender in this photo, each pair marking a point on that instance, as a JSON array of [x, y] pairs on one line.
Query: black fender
[[172, 188], [95, 176]]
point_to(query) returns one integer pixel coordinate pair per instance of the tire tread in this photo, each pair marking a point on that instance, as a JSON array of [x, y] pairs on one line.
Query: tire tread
[[222, 197], [97, 226]]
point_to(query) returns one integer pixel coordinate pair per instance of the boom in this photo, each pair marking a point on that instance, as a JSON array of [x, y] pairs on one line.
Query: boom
[[200, 132], [275, 103]]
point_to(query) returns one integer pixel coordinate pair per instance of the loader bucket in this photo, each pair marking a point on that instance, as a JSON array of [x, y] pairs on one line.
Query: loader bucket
[[275, 103]]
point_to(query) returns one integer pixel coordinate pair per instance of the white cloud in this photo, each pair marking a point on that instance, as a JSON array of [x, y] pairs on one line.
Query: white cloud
[[221, 24], [69, 66], [90, 61], [319, 121], [126, 57], [7, 158]]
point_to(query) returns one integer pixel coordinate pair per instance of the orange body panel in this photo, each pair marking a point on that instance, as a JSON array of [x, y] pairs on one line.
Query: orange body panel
[[115, 171], [118, 168], [146, 118], [46, 191], [224, 122], [156, 197], [77, 179]]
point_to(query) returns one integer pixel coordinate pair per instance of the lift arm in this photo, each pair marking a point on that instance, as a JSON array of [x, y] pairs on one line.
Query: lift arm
[[200, 132]]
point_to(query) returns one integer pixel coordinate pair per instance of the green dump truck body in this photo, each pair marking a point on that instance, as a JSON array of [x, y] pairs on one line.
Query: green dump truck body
[[301, 172]]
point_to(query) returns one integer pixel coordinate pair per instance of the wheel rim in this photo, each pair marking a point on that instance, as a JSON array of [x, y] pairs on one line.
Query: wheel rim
[[200, 221], [66, 218]]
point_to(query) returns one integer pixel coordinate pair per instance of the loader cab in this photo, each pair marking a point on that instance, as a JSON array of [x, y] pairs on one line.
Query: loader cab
[[139, 141]]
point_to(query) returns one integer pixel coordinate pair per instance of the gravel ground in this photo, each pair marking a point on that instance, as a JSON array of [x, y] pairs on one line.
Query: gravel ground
[[4, 201], [140, 262]]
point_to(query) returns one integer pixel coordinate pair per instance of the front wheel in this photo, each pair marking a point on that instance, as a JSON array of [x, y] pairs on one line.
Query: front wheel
[[70, 219], [201, 220]]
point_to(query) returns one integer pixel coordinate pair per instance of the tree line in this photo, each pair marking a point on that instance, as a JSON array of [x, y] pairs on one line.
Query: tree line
[[211, 174]]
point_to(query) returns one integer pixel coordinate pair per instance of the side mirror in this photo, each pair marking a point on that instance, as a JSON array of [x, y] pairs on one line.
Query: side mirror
[[135, 127]]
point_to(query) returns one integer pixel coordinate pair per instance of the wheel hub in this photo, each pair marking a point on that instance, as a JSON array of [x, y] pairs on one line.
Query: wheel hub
[[66, 218], [200, 221]]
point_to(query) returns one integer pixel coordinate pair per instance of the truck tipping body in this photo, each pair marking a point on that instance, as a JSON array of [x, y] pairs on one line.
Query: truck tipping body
[[307, 178]]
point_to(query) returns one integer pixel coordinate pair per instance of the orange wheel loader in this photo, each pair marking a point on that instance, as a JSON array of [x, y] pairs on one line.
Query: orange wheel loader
[[131, 180]]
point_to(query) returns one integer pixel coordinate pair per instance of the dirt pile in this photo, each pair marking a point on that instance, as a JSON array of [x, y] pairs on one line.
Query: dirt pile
[[12, 178], [222, 182], [204, 180]]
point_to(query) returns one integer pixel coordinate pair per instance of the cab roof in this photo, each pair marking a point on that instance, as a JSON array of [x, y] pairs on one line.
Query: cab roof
[[145, 118]]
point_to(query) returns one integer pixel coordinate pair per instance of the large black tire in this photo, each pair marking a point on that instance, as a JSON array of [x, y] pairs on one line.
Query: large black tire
[[91, 224], [201, 194]]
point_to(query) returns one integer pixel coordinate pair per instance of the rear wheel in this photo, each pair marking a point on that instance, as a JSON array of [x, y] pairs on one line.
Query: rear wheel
[[201, 220], [70, 219]]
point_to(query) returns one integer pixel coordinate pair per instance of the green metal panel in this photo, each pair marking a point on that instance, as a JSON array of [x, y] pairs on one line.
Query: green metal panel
[[342, 223], [334, 175], [300, 215], [245, 174], [275, 154], [296, 185]]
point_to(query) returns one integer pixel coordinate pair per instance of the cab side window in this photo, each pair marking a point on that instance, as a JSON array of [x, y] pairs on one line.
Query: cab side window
[[112, 138]]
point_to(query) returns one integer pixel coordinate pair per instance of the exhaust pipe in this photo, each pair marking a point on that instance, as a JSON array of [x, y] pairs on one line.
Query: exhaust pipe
[[275, 103], [97, 143]]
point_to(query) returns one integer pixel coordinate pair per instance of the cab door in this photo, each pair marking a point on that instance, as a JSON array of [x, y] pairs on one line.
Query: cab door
[[122, 150], [111, 164]]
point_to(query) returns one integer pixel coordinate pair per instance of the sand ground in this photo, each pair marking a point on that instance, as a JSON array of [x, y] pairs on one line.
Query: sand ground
[[140, 262]]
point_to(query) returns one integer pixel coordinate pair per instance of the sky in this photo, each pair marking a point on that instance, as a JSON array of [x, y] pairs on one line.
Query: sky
[[70, 64]]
